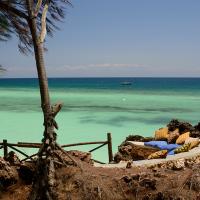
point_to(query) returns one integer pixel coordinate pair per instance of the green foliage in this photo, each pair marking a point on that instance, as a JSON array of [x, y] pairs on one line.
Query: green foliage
[[14, 19], [5, 32]]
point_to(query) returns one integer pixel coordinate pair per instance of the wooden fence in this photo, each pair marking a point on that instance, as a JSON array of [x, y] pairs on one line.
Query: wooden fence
[[5, 145]]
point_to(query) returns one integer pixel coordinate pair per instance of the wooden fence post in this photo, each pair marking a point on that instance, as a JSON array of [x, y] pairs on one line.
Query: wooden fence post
[[5, 147], [110, 153]]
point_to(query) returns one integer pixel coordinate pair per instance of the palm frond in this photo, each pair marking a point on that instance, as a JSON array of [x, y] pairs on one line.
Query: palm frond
[[14, 20]]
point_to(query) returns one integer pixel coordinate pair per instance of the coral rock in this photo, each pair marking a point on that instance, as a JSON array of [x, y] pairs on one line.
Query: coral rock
[[179, 164]]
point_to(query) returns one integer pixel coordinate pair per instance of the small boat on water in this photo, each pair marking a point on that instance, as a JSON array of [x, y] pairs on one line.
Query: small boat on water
[[126, 83]]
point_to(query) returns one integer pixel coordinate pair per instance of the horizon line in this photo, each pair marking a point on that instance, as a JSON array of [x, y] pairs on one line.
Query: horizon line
[[104, 77]]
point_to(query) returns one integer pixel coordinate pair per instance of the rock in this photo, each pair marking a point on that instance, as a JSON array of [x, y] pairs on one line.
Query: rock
[[134, 152], [26, 172], [129, 165], [135, 177], [138, 138], [126, 179], [195, 133], [83, 156], [8, 174], [12, 158], [173, 124], [126, 149], [182, 126], [144, 175], [141, 152], [185, 127], [160, 175], [167, 195], [178, 164], [118, 157], [197, 127], [148, 183]]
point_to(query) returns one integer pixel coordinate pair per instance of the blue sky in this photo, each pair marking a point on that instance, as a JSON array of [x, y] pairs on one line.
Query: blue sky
[[118, 38]]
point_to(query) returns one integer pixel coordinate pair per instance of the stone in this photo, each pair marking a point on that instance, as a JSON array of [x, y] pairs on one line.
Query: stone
[[13, 159], [118, 157], [129, 165], [26, 172], [141, 152], [197, 127], [126, 149], [182, 126], [138, 138], [195, 133], [83, 156], [173, 124], [148, 183], [134, 152], [126, 179], [135, 176], [185, 127], [8, 174], [179, 164]]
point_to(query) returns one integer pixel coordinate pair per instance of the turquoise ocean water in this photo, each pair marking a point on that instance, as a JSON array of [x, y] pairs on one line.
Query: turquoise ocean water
[[95, 106]]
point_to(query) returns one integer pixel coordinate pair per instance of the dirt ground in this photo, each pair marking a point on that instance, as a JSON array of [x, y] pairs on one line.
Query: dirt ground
[[94, 183]]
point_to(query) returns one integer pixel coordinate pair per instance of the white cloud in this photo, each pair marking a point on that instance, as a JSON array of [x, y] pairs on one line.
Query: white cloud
[[102, 65], [104, 69], [115, 65]]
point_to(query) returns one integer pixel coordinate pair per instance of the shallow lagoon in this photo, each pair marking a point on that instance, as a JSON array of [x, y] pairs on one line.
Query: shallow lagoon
[[93, 107]]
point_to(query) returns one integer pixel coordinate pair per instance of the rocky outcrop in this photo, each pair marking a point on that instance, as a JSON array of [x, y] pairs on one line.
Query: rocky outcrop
[[182, 126], [129, 151], [138, 138], [196, 131], [8, 174]]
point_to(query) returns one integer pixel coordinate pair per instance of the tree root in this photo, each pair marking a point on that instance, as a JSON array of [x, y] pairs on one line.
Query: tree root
[[45, 183]]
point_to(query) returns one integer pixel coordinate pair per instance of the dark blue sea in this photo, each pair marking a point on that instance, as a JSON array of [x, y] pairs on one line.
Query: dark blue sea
[[137, 84]]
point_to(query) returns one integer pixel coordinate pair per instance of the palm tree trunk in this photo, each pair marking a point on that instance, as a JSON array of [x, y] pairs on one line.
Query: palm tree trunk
[[43, 185], [49, 135]]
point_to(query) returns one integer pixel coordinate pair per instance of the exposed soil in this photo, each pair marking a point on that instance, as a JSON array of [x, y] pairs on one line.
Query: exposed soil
[[89, 182]]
